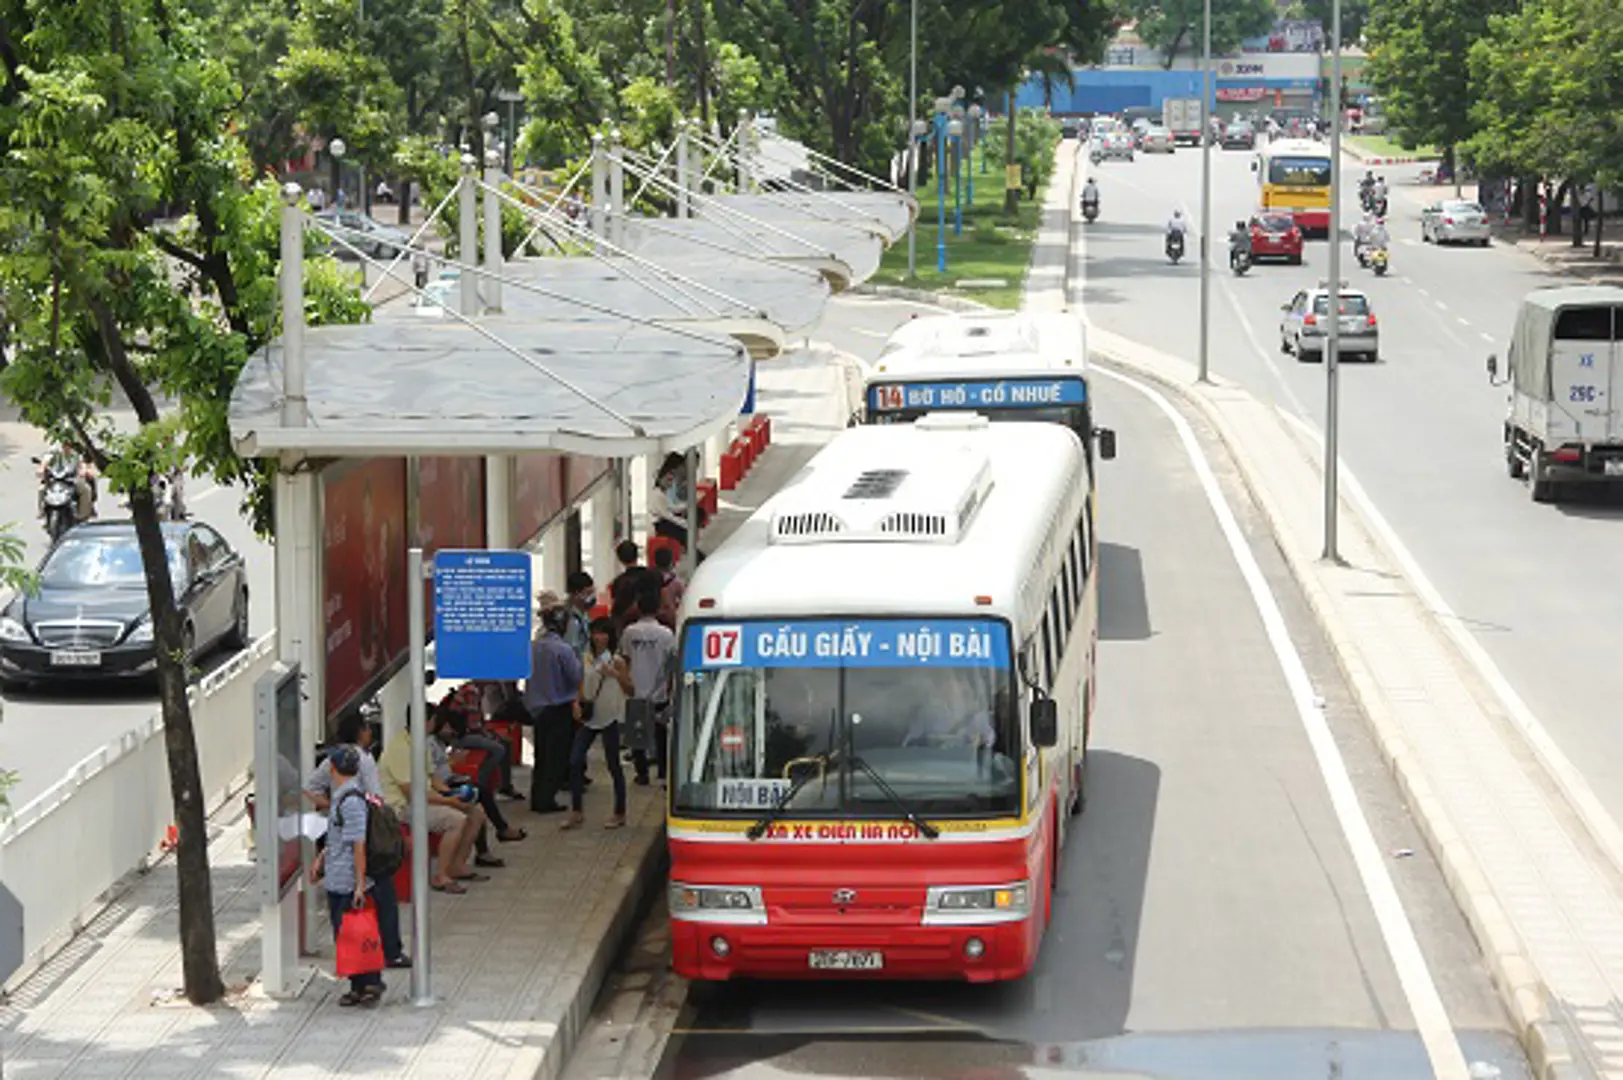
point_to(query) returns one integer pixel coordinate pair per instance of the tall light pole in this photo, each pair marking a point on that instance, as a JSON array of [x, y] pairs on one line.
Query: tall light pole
[[941, 107], [1332, 352], [1205, 193], [955, 131], [973, 129], [913, 135]]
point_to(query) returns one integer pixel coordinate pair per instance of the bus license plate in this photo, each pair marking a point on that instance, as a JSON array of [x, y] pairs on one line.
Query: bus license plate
[[846, 960], [72, 658]]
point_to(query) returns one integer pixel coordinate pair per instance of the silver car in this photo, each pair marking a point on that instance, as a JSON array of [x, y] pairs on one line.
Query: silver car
[[1454, 221], [1157, 140], [1305, 327], [364, 232]]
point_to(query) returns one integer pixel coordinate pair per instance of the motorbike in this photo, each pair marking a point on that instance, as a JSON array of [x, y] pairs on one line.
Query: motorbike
[[166, 493], [1377, 261], [1096, 155], [1174, 246], [1090, 211], [59, 496], [1240, 261], [1361, 253]]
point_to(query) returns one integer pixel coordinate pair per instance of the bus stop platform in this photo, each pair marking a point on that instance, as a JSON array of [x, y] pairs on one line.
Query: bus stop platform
[[516, 962]]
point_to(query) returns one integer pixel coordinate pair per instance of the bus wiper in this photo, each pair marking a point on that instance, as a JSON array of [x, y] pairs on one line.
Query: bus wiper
[[910, 815], [770, 818]]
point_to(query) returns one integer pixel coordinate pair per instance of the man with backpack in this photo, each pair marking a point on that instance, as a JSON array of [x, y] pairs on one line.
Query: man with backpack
[[344, 863], [322, 787]]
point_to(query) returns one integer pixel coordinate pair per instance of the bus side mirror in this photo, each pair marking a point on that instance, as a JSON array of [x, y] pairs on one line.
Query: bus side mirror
[[1253, 166], [855, 419], [1107, 444], [1044, 724], [1493, 366]]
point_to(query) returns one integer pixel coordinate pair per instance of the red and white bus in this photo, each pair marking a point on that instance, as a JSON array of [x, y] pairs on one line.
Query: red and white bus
[[887, 683]]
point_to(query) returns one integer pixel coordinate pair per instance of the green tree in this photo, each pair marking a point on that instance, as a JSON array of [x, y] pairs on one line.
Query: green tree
[[114, 113], [1418, 61], [1354, 17], [1172, 26]]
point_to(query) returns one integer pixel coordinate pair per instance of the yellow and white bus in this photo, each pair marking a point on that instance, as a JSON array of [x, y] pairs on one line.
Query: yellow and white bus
[[1293, 176], [887, 683]]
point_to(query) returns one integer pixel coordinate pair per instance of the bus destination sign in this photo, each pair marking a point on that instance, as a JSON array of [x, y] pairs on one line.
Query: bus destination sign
[[869, 643], [992, 394]]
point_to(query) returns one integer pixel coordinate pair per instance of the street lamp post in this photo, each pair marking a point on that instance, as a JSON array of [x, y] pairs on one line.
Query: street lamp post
[[955, 131], [1205, 193], [913, 134], [973, 128], [1332, 352], [336, 149], [941, 107]]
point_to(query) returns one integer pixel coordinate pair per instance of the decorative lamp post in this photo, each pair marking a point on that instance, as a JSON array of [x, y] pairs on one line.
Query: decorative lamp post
[[941, 107], [955, 130], [975, 114], [337, 148], [917, 132]]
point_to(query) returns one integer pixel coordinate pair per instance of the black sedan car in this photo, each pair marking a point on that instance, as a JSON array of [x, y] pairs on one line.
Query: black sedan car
[[1239, 136], [90, 619]]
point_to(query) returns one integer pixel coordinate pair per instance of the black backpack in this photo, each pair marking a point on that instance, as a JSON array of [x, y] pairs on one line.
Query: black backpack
[[385, 842]]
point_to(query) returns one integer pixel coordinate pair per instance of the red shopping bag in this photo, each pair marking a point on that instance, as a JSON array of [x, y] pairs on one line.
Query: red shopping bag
[[360, 945]]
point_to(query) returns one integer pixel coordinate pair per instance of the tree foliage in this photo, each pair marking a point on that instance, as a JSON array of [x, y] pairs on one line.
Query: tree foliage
[[1354, 16], [1172, 27], [1418, 61], [140, 267]]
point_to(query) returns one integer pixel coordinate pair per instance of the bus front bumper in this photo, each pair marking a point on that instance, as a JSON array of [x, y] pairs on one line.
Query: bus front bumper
[[984, 953]]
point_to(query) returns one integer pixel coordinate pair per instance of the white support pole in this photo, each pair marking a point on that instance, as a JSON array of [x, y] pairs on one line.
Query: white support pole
[[684, 174], [499, 502], [554, 545], [468, 238], [625, 524], [422, 987], [600, 187], [695, 467], [1332, 351], [745, 130], [493, 231], [1205, 196], [604, 535], [295, 408], [617, 190]]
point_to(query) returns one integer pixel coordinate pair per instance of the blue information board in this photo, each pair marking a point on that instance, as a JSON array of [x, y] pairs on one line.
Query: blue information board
[[482, 614], [985, 394]]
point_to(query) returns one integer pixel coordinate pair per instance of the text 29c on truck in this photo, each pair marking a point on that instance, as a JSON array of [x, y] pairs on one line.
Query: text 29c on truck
[[887, 681], [1005, 365]]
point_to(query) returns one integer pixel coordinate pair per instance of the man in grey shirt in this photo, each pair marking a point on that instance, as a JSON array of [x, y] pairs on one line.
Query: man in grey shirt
[[650, 648], [551, 695], [354, 731]]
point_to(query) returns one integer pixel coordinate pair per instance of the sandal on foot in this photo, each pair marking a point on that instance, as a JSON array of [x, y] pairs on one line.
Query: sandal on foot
[[471, 876], [575, 821], [489, 860], [618, 821], [512, 836], [449, 887], [350, 999], [371, 995]]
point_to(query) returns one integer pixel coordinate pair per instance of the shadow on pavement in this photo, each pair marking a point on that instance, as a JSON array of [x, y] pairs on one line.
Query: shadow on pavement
[[1124, 610]]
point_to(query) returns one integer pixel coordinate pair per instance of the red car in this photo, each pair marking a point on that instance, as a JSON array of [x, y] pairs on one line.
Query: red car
[[1274, 235]]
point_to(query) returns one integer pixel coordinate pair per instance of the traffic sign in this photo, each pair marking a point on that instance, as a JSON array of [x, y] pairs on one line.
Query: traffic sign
[[482, 614], [11, 934]]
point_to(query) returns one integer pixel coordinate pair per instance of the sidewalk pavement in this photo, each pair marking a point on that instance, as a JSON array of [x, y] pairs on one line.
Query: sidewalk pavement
[[516, 962], [1531, 859], [1558, 254]]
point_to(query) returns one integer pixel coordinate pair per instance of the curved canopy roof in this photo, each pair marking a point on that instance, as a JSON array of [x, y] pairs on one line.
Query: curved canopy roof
[[887, 212], [845, 255], [441, 387], [759, 303]]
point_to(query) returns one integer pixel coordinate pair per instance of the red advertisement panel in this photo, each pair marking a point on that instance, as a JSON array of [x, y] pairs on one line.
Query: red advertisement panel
[[581, 472], [364, 571], [450, 510], [538, 493]]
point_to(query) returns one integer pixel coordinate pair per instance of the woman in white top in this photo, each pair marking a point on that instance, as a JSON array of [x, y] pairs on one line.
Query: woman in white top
[[603, 692]]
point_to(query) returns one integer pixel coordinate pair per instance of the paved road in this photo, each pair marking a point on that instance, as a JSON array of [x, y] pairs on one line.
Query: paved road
[[1209, 914], [47, 731], [1420, 430]]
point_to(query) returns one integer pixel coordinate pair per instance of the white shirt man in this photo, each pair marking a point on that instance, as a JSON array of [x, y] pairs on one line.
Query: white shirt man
[[1177, 223]]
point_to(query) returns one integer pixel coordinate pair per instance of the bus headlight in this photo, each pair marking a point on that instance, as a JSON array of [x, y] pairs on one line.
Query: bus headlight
[[739, 904], [949, 905]]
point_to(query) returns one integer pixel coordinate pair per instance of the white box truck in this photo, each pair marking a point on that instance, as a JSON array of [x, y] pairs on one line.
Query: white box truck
[[1181, 116], [1565, 372]]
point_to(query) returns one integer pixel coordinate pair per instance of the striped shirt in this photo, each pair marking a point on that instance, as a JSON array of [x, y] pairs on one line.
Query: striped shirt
[[346, 827]]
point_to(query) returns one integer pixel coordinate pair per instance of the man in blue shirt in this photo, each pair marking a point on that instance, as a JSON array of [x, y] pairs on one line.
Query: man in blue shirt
[[343, 861], [551, 696]]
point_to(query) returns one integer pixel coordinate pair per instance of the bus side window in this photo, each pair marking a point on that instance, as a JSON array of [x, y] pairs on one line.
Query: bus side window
[[1073, 566], [1084, 530], [1068, 588], [1062, 623], [1050, 654]]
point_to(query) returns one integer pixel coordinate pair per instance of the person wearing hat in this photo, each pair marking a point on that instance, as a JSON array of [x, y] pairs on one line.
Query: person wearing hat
[[552, 697], [343, 861]]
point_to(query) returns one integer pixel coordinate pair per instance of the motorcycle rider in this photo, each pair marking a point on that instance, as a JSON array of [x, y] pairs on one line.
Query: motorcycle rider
[[1377, 197], [1177, 224], [1361, 233], [1365, 187], [1239, 240], [1377, 239], [1090, 194], [84, 480]]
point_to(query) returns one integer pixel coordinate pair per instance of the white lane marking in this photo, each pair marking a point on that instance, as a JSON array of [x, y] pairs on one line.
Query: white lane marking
[[1421, 289], [1419, 988], [1463, 320], [1270, 362], [1408, 241], [865, 332], [1487, 337], [1579, 795], [1440, 305], [199, 496]]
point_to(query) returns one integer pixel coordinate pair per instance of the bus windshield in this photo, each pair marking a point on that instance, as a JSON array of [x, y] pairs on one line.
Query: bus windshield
[[1050, 401], [1299, 171], [927, 706]]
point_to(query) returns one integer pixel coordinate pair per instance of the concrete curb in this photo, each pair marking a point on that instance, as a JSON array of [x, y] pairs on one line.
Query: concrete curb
[[593, 956], [1520, 988]]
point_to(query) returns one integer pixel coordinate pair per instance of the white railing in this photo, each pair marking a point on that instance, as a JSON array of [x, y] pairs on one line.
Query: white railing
[[65, 852]]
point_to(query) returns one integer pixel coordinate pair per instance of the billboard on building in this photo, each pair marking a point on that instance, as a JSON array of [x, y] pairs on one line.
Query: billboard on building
[[363, 576]]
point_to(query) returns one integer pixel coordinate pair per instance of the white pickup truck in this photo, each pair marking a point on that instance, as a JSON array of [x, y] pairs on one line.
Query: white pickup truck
[[1565, 372]]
